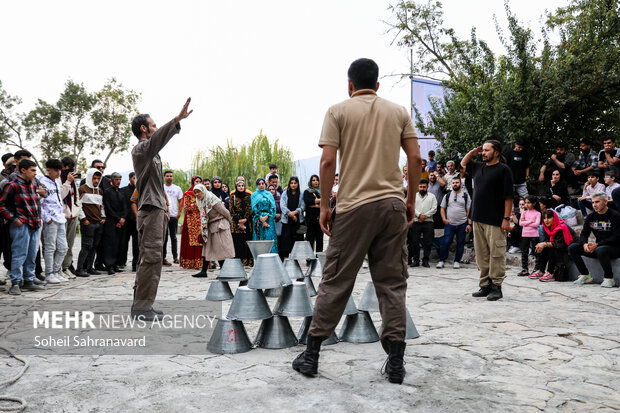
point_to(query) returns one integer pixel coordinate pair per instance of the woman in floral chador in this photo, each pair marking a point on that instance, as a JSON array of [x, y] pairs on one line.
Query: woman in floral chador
[[191, 246]]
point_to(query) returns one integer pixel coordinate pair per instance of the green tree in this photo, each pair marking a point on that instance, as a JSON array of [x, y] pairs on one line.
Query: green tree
[[251, 161]]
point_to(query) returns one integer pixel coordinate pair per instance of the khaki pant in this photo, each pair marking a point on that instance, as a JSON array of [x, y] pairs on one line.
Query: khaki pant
[[152, 224], [71, 229], [490, 247], [378, 229]]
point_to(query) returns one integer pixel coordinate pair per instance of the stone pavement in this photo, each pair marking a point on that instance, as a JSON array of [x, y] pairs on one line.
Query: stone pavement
[[544, 347]]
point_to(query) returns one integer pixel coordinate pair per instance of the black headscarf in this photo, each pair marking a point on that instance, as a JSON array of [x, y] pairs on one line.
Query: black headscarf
[[293, 198], [218, 192]]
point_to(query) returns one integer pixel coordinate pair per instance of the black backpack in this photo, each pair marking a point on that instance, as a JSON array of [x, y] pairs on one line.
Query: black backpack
[[448, 197]]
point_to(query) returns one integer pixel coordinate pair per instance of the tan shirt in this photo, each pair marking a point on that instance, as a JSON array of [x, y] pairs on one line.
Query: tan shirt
[[147, 165], [367, 130]]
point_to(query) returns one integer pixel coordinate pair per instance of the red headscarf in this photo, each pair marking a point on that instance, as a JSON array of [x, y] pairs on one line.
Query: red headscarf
[[190, 191], [557, 226]]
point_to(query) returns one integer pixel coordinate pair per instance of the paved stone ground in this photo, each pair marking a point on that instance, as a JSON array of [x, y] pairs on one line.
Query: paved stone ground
[[544, 347]]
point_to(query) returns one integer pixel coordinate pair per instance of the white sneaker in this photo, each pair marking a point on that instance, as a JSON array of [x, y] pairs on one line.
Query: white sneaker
[[608, 283], [456, 265], [584, 279], [52, 279], [440, 264], [514, 250], [61, 278], [68, 274]]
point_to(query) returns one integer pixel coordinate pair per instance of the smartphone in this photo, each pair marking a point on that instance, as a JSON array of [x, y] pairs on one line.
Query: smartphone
[[77, 176]]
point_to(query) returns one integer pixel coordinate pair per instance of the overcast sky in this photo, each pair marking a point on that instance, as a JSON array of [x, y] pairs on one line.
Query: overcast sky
[[248, 65]]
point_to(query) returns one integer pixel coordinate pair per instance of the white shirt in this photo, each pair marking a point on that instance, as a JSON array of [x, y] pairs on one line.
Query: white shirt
[[425, 205], [174, 194]]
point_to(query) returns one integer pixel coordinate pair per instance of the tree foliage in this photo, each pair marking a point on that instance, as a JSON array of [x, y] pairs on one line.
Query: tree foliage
[[538, 91]]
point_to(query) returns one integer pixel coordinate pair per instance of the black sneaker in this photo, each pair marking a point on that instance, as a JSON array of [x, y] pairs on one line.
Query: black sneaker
[[72, 269], [14, 290], [31, 286], [39, 282], [176, 261], [415, 263], [111, 271], [483, 291], [93, 272], [524, 273], [496, 293], [81, 273], [425, 263]]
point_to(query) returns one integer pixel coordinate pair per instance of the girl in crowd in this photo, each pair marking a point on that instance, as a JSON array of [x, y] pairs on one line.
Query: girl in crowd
[[276, 196], [553, 249], [191, 246], [514, 236], [425, 173], [557, 190], [226, 190], [264, 215], [292, 204], [312, 199], [529, 222], [241, 224], [214, 229]]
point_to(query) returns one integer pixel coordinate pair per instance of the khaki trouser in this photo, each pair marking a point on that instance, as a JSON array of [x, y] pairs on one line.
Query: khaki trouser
[[378, 229], [490, 247], [152, 224], [71, 229]]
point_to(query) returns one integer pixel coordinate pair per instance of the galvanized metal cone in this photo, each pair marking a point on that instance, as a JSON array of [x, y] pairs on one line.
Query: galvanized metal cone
[[274, 333], [273, 292], [232, 270], [259, 247], [315, 269], [268, 272], [293, 269], [303, 333], [229, 337], [350, 308], [411, 331], [358, 328], [248, 305], [294, 301], [310, 286], [219, 291], [302, 250], [369, 301], [321, 257]]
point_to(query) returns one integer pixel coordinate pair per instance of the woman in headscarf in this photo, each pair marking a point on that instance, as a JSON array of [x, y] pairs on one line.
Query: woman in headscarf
[[241, 225], [292, 204], [312, 199], [273, 189], [226, 190], [264, 214], [214, 229], [553, 249], [217, 188], [191, 246]]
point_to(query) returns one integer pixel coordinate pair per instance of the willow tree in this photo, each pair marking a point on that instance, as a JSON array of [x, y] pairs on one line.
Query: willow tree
[[250, 160]]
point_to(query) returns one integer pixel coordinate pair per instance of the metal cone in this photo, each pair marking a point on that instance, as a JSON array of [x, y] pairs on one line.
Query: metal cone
[[268, 272], [273, 292], [248, 304], [412, 332], [232, 270], [294, 301], [358, 328], [302, 250], [229, 337], [303, 333], [310, 286], [219, 291], [321, 258], [369, 301], [259, 247], [350, 308], [274, 333], [316, 269], [293, 269]]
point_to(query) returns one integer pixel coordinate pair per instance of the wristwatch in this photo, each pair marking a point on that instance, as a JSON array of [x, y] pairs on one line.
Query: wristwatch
[[507, 218]]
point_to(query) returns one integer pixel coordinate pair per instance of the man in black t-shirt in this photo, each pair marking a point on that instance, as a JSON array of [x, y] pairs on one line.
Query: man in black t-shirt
[[490, 213], [518, 161]]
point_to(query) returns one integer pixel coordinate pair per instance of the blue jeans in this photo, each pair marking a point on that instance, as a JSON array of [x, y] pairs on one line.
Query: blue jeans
[[448, 235], [24, 247], [582, 206]]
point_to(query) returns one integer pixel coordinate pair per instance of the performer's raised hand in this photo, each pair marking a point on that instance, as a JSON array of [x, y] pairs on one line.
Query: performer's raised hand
[[184, 113]]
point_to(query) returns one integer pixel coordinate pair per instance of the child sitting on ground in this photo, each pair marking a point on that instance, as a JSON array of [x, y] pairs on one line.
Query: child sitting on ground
[[529, 221], [554, 249]]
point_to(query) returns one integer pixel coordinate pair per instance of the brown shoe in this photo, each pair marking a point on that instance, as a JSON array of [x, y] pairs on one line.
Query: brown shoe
[[166, 262]]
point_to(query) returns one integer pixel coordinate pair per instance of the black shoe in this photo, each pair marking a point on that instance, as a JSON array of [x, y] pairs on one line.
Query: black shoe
[[81, 273], [72, 269], [111, 271], [14, 290], [496, 293], [40, 276], [415, 263], [425, 263], [93, 272], [483, 291], [120, 268], [201, 274], [158, 312], [31, 286], [176, 261], [100, 267], [395, 363], [39, 282], [307, 363], [148, 315], [524, 273]]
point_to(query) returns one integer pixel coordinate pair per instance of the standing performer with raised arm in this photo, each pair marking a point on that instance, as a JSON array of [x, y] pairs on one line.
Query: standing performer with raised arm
[[152, 219]]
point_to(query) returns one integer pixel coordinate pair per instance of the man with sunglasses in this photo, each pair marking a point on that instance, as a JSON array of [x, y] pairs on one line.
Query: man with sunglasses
[[105, 181], [454, 212]]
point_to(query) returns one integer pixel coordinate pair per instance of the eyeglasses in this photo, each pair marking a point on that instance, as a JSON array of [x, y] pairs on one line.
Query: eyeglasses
[[100, 167]]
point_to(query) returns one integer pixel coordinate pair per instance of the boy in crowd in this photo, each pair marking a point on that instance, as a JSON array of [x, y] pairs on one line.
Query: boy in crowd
[[431, 165], [604, 223], [273, 171], [591, 187], [71, 208], [92, 219], [609, 156], [19, 207], [610, 180], [54, 234]]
